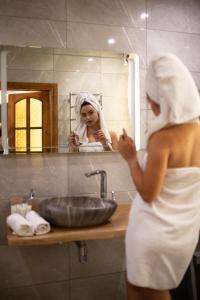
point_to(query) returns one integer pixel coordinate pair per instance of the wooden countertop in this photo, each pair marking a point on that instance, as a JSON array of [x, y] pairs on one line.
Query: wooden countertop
[[115, 228]]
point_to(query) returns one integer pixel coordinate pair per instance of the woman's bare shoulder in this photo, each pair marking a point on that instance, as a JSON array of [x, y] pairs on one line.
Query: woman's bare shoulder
[[161, 139]]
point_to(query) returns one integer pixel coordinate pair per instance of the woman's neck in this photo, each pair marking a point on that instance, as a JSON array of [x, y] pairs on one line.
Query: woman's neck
[[93, 128]]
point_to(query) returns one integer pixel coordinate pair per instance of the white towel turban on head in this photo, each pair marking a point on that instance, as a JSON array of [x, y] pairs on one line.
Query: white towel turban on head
[[170, 84], [81, 129]]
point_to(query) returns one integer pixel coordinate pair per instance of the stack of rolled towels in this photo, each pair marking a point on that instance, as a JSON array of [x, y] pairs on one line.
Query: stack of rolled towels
[[26, 222]]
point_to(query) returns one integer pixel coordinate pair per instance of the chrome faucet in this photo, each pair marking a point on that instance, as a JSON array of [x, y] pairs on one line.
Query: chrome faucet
[[31, 194], [103, 190]]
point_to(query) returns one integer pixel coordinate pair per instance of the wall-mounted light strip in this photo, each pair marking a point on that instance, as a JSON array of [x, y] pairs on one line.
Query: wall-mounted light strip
[[4, 128], [134, 97]]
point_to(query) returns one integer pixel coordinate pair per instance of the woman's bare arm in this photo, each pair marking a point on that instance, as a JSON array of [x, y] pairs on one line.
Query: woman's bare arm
[[150, 181], [114, 140]]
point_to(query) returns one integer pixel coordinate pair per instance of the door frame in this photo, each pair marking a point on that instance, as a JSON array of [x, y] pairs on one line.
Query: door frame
[[52, 89]]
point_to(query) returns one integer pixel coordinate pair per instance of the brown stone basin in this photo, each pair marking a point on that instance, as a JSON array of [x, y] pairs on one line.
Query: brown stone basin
[[77, 211]]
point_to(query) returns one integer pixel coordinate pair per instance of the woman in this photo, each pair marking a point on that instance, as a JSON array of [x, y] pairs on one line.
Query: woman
[[164, 221], [91, 133]]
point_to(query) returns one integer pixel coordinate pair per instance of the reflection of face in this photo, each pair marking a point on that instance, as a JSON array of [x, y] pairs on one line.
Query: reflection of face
[[89, 115], [154, 106]]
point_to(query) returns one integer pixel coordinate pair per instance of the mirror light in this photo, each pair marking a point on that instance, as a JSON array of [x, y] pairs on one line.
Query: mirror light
[[111, 41], [134, 97]]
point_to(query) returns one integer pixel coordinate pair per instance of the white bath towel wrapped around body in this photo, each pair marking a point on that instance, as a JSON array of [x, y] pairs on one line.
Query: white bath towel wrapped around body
[[20, 225], [162, 235], [40, 225]]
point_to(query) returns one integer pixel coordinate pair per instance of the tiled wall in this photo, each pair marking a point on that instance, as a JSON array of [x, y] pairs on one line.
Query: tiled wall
[[54, 272], [172, 26]]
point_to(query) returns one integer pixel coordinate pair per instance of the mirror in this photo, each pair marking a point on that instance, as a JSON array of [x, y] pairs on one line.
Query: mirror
[[43, 84]]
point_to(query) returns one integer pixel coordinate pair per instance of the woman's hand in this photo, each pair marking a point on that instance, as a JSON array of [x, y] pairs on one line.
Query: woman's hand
[[100, 136], [126, 147], [73, 140]]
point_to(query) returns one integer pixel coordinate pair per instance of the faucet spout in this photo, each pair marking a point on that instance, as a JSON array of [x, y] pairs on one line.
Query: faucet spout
[[103, 188]]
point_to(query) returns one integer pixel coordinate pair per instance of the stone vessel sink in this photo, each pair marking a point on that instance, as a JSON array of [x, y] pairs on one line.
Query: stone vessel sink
[[77, 211]]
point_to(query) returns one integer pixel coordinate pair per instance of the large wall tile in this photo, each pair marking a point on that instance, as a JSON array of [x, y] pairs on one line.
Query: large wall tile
[[143, 97], [179, 16], [118, 175], [4, 212], [63, 122], [11, 263], [116, 108], [31, 265], [120, 13], [76, 82], [114, 65], [137, 41], [185, 46], [73, 63], [115, 85], [107, 287], [27, 59], [83, 36], [46, 174], [51, 291], [45, 9], [21, 31], [30, 76], [46, 263], [110, 255]]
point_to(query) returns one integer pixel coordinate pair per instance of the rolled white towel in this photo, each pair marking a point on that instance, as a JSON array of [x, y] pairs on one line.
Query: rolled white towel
[[20, 225], [40, 225]]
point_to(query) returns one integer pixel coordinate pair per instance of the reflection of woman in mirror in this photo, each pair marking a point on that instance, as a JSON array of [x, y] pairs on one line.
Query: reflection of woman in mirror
[[163, 229], [91, 134]]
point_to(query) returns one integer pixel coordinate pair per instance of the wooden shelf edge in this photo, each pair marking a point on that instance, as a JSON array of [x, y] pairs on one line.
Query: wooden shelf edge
[[116, 228]]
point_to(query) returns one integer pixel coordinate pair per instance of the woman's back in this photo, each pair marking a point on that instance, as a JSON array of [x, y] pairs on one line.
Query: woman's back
[[184, 144]]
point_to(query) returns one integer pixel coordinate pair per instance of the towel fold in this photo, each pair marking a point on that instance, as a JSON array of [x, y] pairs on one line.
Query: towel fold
[[40, 225], [20, 225]]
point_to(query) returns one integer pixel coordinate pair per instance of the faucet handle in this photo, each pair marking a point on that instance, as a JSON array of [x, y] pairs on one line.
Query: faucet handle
[[95, 172], [113, 196], [31, 194]]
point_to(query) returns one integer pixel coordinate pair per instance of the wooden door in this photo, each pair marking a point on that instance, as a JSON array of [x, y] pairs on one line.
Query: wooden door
[[29, 122]]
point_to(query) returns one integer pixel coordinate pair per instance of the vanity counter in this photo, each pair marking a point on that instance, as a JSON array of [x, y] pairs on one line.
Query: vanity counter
[[115, 228]]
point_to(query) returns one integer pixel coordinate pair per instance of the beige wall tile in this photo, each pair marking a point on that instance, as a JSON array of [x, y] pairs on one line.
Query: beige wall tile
[[107, 287], [120, 13], [21, 31], [110, 255], [185, 46], [180, 16], [45, 9]]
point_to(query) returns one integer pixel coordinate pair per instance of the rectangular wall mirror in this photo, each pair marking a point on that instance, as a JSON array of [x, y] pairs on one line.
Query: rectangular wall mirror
[[42, 85]]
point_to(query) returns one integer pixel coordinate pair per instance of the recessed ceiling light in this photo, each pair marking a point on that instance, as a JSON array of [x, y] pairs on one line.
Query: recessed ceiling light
[[90, 59], [144, 16], [111, 41]]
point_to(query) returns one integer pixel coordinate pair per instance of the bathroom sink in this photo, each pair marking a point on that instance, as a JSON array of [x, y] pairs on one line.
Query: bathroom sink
[[77, 211]]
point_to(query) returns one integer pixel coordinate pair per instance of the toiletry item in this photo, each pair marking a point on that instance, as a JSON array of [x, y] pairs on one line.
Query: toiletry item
[[16, 200], [40, 225], [22, 209], [20, 225]]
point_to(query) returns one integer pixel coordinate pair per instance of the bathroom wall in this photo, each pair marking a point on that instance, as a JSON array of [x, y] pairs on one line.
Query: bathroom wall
[[53, 272]]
